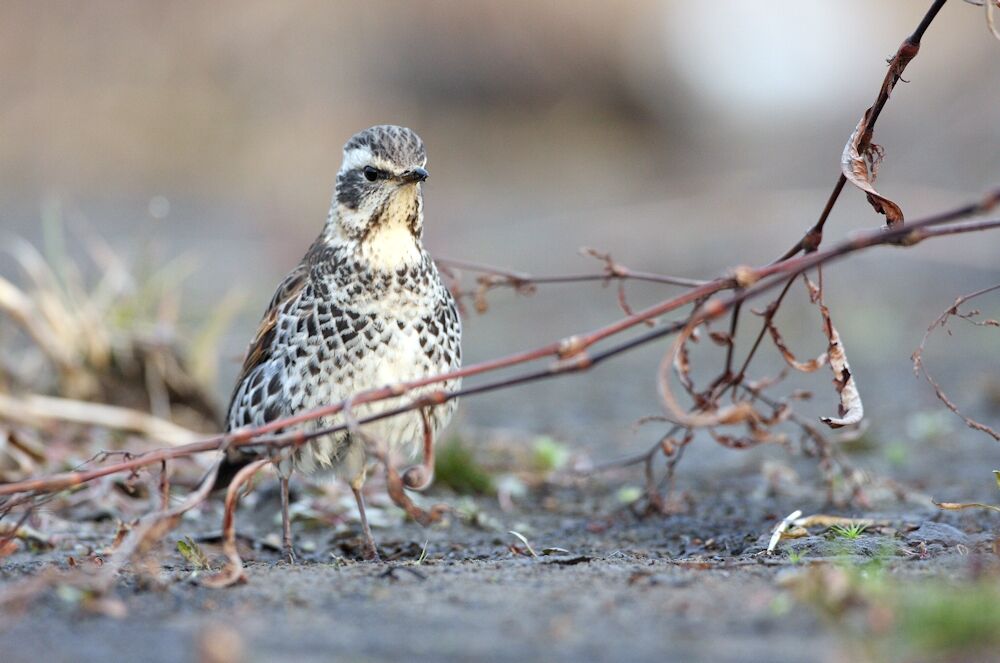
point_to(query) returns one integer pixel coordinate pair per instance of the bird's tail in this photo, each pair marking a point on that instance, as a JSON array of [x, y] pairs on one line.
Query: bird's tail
[[228, 469]]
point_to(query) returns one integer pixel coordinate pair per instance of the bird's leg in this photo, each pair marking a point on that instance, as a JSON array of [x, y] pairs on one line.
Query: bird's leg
[[286, 522], [371, 551], [419, 477]]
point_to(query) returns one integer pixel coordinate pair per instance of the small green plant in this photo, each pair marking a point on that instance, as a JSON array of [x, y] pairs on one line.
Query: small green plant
[[457, 468], [850, 532], [192, 553], [549, 455], [795, 557], [628, 494]]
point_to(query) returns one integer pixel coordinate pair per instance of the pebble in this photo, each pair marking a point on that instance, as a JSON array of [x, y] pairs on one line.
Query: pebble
[[930, 532]]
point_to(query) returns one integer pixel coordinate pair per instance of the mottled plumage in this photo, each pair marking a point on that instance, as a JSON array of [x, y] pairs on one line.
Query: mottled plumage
[[365, 308]]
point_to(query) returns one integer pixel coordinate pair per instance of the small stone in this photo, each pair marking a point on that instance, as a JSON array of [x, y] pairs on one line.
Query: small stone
[[930, 532]]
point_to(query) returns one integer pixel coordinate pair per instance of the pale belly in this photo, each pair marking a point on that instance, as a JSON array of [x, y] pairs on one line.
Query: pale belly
[[400, 359]]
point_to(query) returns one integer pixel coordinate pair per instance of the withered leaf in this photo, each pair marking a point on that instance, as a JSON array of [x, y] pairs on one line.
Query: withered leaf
[[789, 357], [851, 409], [861, 157], [859, 162], [956, 506]]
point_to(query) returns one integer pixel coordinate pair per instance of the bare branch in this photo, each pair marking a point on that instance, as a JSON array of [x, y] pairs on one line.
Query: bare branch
[[572, 352], [919, 367]]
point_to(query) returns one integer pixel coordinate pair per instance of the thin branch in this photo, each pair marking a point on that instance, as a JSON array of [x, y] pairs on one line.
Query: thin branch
[[919, 367], [572, 353], [519, 279]]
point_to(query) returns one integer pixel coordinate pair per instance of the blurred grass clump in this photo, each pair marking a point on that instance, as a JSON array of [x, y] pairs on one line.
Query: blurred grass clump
[[890, 618], [87, 337], [949, 619], [456, 467]]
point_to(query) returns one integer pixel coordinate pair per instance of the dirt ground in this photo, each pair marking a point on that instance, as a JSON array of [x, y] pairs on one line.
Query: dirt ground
[[606, 585]]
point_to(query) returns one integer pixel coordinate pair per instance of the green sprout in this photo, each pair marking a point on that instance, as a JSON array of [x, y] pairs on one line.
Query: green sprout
[[549, 455], [850, 532], [192, 553]]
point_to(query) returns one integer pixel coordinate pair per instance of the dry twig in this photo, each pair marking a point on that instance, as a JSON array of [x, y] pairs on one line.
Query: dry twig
[[942, 322]]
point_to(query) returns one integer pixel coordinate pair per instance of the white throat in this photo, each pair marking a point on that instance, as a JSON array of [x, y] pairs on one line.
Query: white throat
[[391, 246]]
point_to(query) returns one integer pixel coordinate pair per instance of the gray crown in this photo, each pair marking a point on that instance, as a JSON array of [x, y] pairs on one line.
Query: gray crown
[[390, 143]]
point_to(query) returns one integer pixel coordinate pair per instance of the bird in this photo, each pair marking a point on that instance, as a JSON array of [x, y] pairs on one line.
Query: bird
[[365, 308]]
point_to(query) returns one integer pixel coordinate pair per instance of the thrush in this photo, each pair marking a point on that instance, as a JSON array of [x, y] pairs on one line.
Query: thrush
[[365, 308]]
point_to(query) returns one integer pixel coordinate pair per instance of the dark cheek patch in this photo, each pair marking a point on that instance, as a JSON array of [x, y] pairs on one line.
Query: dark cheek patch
[[351, 189]]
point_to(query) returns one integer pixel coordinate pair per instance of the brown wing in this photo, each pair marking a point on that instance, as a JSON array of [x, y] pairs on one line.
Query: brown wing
[[260, 347]]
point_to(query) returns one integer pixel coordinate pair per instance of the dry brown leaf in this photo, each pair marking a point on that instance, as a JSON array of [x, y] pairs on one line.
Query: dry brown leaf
[[7, 547], [860, 159], [682, 367], [803, 366], [823, 520], [739, 442], [851, 409], [859, 162], [721, 338], [956, 506]]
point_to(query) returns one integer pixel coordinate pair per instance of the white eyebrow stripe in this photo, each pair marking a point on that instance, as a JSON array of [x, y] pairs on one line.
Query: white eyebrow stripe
[[356, 158], [362, 156]]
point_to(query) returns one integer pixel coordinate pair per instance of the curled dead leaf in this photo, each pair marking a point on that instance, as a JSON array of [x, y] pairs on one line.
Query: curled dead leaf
[[859, 163], [861, 157], [851, 409], [789, 357]]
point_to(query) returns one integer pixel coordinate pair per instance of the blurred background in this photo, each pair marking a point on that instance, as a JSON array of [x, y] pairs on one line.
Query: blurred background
[[683, 137]]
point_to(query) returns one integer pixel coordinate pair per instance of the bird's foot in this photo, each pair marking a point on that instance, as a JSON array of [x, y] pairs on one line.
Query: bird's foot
[[371, 554]]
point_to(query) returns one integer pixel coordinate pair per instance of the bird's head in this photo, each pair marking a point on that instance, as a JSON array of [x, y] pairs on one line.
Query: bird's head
[[378, 197]]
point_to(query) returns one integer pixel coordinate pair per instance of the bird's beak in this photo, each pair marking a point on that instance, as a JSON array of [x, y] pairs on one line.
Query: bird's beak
[[413, 175]]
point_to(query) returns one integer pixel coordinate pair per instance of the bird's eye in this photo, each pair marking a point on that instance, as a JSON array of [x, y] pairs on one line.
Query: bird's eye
[[371, 174]]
